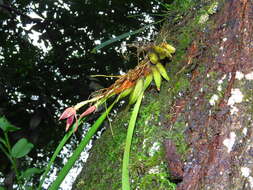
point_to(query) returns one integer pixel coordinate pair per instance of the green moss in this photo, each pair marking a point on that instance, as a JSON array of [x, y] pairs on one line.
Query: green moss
[[147, 162], [148, 167]]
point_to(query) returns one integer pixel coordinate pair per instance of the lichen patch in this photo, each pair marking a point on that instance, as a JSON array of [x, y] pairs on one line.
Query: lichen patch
[[244, 131], [229, 142], [245, 171], [213, 99], [233, 110], [154, 148], [239, 75], [249, 76], [236, 97], [154, 170], [250, 181]]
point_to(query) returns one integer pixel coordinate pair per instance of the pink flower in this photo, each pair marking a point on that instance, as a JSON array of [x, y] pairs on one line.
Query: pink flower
[[88, 111], [70, 115]]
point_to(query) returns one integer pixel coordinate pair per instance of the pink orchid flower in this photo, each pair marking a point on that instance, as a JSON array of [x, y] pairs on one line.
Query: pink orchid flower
[[70, 115], [88, 111]]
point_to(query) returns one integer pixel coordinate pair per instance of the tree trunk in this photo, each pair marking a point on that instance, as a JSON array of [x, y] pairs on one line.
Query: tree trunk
[[197, 132]]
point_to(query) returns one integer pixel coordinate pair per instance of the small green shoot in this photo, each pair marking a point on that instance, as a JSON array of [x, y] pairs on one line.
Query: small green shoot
[[20, 149]]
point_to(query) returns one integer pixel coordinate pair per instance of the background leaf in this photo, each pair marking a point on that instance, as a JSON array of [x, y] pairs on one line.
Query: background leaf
[[21, 148], [6, 126], [3, 141], [28, 173]]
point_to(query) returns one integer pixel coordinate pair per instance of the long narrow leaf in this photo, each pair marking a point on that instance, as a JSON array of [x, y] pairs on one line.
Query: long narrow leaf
[[64, 171], [122, 36], [56, 152], [131, 125]]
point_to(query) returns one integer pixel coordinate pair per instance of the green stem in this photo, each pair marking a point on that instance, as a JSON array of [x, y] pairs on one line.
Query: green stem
[[13, 160], [56, 152], [125, 169], [64, 171]]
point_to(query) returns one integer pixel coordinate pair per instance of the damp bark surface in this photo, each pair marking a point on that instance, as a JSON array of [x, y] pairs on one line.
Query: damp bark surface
[[197, 133], [219, 114]]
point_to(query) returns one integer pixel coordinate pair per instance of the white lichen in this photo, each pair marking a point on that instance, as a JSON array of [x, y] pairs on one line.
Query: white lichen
[[154, 170], [213, 8], [213, 99], [219, 88], [245, 171], [229, 142], [154, 148], [233, 110], [203, 18], [236, 96], [249, 76], [239, 75], [244, 131], [250, 181], [144, 143]]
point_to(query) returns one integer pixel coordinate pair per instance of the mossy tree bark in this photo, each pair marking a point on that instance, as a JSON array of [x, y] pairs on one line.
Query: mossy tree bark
[[197, 133]]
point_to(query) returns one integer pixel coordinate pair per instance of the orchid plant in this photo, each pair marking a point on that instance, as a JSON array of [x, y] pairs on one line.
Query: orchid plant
[[133, 83]]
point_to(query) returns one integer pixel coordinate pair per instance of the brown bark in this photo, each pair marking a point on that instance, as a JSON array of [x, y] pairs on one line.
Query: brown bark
[[216, 109], [211, 164]]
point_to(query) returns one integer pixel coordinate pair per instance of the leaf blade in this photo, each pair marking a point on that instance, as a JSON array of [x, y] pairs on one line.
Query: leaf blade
[[21, 148], [6, 126], [131, 125]]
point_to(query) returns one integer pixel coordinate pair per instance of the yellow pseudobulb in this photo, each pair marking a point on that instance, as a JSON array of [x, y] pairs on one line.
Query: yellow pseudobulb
[[169, 47], [148, 80], [157, 77], [153, 57], [162, 71], [163, 52]]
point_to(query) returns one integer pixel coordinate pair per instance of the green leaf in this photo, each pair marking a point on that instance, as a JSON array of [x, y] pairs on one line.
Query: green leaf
[[57, 151], [130, 131], [86, 139], [5, 152], [28, 173], [2, 188], [6, 126], [21, 148], [3, 141], [122, 36]]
